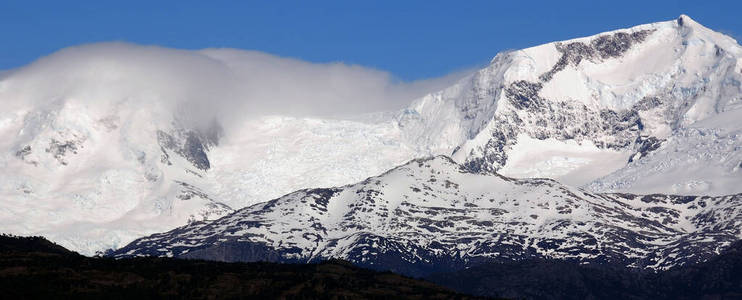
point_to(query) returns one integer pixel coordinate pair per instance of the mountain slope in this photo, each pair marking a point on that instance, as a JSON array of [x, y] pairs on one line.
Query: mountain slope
[[581, 109], [434, 215], [702, 158]]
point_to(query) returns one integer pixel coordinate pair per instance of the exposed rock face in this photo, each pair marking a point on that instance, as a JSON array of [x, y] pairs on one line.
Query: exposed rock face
[[646, 145], [60, 149], [190, 144], [530, 113], [560, 120], [211, 210], [602, 47]]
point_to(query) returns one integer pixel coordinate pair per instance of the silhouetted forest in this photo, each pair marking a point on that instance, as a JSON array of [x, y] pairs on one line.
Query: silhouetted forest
[[32, 267], [717, 278]]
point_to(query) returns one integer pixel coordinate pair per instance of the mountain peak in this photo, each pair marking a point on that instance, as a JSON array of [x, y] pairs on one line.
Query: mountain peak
[[648, 80], [685, 20], [435, 159]]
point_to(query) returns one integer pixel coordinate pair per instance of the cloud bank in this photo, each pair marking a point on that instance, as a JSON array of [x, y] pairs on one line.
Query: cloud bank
[[248, 83]]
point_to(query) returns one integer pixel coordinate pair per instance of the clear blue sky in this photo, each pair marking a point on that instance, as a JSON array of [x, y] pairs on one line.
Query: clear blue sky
[[410, 39]]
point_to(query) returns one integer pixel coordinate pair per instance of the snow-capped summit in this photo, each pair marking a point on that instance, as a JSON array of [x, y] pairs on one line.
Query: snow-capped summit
[[102, 144], [580, 109]]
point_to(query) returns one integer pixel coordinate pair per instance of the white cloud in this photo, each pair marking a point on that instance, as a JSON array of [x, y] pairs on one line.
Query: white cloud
[[208, 81]]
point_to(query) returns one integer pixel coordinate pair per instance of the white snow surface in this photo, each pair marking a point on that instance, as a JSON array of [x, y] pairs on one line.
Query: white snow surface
[[704, 158], [95, 177], [568, 161]]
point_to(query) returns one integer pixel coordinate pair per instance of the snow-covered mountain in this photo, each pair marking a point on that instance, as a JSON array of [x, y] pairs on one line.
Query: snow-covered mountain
[[582, 109], [102, 144], [435, 215], [98, 150]]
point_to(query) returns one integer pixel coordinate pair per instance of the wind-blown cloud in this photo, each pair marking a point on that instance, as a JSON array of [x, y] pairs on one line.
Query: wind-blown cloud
[[211, 80]]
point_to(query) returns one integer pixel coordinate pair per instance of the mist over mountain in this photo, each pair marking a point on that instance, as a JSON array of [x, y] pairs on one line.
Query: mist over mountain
[[103, 136]]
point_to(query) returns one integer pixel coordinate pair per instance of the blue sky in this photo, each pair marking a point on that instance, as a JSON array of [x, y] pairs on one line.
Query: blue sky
[[411, 39]]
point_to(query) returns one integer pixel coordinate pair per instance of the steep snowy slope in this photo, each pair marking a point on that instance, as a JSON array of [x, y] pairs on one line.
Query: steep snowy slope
[[277, 155], [580, 109], [434, 215], [95, 179], [702, 158]]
